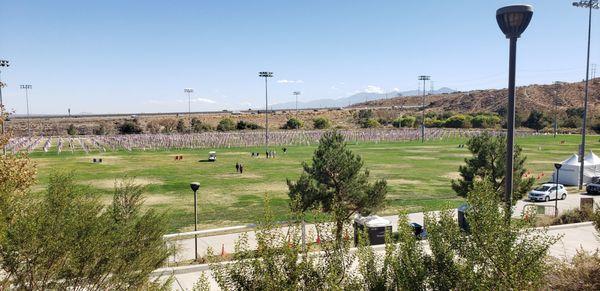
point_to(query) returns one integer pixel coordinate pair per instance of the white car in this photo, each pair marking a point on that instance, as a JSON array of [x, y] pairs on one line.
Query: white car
[[547, 192]]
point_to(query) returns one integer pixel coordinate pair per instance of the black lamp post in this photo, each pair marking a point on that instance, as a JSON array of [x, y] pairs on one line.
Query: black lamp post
[[557, 166], [512, 20], [195, 186]]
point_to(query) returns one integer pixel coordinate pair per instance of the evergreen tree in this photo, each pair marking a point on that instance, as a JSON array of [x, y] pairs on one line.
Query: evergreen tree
[[488, 164], [336, 183]]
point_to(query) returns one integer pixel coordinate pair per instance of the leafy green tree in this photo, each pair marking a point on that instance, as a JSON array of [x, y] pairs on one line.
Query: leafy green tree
[[199, 126], [370, 123], [72, 130], [293, 123], [130, 127], [458, 121], [321, 123], [336, 183], [181, 127], [365, 114], [536, 120], [488, 164], [406, 121], [101, 129], [226, 124]]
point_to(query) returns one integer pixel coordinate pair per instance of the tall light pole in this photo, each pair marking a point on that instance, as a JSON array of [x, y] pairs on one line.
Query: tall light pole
[[3, 64], [557, 166], [590, 4], [296, 94], [27, 88], [512, 20], [556, 84], [266, 75], [195, 186], [189, 92], [424, 79]]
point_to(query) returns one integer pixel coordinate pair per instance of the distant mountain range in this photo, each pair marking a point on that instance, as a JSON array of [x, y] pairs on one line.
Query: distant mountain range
[[356, 98]]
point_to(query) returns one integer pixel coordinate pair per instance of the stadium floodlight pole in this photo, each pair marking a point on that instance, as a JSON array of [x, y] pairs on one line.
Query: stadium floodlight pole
[[296, 94], [556, 84], [512, 20], [266, 75], [27, 88], [3, 64], [189, 92], [590, 4], [195, 186], [424, 79]]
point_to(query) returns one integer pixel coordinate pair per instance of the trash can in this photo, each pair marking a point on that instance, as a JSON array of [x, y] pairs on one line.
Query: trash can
[[376, 228], [462, 217]]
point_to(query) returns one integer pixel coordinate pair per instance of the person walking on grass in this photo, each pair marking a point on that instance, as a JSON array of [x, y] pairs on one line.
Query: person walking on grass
[[241, 169], [237, 167]]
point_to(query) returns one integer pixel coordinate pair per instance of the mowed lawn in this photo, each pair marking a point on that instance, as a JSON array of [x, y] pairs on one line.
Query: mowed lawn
[[418, 175]]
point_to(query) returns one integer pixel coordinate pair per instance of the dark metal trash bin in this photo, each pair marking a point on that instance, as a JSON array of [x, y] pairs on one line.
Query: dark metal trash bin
[[462, 217], [376, 228]]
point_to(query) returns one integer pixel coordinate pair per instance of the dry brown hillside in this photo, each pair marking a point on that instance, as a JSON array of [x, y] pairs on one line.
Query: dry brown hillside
[[540, 97]]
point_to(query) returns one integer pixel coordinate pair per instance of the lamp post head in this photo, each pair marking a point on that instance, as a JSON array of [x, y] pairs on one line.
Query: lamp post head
[[188, 90], [514, 19], [195, 186], [26, 86], [4, 63], [557, 166], [265, 74], [296, 93]]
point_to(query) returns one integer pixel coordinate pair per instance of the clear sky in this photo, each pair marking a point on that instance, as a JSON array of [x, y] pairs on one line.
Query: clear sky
[[138, 56]]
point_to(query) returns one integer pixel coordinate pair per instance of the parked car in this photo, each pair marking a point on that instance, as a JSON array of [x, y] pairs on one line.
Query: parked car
[[594, 186], [547, 192]]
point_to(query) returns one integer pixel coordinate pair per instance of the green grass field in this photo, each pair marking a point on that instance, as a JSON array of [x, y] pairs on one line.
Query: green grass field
[[418, 175]]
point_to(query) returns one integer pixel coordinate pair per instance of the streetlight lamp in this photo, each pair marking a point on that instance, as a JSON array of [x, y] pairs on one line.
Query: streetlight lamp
[[189, 92], [266, 75], [27, 88], [512, 20], [557, 166], [424, 79], [195, 186], [590, 4], [296, 94], [3, 64]]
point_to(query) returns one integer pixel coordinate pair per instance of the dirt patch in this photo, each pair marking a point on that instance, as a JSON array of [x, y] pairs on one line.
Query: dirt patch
[[238, 176], [263, 188], [110, 183], [399, 182], [452, 175], [421, 158]]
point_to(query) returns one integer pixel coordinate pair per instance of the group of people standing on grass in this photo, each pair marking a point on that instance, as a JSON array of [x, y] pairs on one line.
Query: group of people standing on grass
[[239, 168]]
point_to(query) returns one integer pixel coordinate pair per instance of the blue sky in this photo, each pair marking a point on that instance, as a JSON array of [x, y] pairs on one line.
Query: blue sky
[[138, 56]]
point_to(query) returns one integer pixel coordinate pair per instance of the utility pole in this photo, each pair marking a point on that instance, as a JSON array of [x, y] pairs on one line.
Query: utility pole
[[424, 79], [266, 75], [3, 64], [27, 88], [189, 92], [296, 94], [590, 4]]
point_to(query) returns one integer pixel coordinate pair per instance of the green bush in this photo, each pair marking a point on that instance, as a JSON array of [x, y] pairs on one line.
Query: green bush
[[71, 130], [458, 121], [433, 122], [536, 120], [406, 121], [199, 126], [370, 123], [485, 121], [181, 127], [242, 124], [292, 123], [226, 124], [321, 123], [130, 127]]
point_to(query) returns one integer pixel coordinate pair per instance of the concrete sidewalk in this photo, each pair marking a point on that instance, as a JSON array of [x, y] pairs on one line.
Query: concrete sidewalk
[[579, 236], [226, 242]]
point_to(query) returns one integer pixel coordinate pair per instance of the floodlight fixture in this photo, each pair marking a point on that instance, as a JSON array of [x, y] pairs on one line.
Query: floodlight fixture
[[266, 75], [27, 87]]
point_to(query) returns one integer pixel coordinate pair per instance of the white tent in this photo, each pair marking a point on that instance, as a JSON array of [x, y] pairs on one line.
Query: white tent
[[569, 172]]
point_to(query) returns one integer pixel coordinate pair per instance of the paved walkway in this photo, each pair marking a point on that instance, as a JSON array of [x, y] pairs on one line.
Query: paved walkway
[[582, 236], [226, 242]]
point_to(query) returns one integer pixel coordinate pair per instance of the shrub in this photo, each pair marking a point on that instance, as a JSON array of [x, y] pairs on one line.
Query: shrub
[[153, 126], [226, 124], [406, 121], [485, 121], [321, 123], [181, 127], [365, 114], [370, 123], [433, 122], [199, 126], [100, 130], [458, 121], [536, 120], [71, 130], [582, 273], [292, 123], [241, 125], [130, 127], [168, 124]]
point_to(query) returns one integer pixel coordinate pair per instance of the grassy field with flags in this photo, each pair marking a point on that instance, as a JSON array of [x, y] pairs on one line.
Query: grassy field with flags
[[418, 175]]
